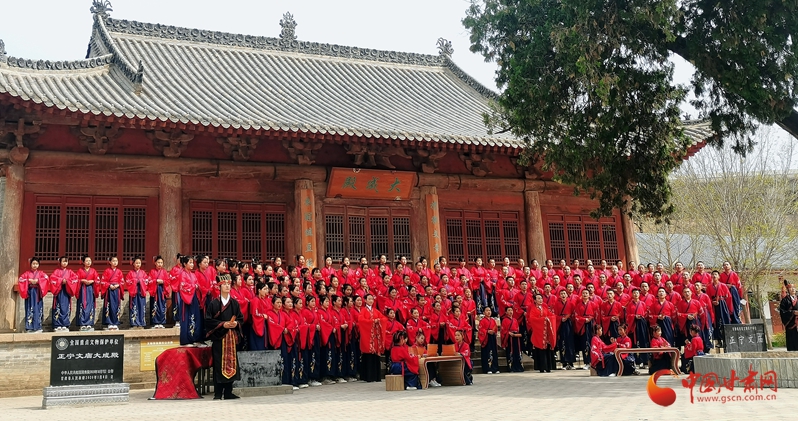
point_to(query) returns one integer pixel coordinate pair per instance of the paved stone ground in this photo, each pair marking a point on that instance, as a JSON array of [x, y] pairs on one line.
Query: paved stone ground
[[518, 396]]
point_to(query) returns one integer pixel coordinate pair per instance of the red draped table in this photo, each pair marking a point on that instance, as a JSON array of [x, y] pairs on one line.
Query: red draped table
[[176, 368]]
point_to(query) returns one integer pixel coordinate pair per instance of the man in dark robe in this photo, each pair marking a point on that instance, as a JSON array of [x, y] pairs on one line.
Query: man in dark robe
[[788, 309], [223, 320]]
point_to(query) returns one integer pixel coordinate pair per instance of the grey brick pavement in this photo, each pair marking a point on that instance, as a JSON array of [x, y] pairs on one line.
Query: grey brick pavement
[[555, 396]]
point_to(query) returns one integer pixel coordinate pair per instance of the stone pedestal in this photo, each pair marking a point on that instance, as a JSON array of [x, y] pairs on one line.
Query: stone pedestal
[[99, 394]]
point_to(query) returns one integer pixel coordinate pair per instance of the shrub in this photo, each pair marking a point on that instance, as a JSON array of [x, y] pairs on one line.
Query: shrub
[[779, 340]]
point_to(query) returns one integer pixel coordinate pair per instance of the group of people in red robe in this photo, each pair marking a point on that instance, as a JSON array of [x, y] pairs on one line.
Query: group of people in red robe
[[335, 322]]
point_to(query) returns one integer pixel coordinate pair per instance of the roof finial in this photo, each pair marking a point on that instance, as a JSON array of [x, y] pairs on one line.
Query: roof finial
[[2, 51], [445, 47], [101, 7], [288, 24]]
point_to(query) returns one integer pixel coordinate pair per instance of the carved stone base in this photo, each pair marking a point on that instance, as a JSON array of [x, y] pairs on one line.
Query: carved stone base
[[98, 394]]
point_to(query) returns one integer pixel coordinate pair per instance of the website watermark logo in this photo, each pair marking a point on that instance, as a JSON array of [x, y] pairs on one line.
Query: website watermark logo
[[711, 387]]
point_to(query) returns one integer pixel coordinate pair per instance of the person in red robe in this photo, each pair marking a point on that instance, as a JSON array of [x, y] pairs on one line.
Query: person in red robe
[[659, 360], [391, 327], [258, 309], [415, 325], [585, 314], [637, 323], [693, 345], [624, 342], [437, 320], [111, 288], [137, 285], [159, 290], [511, 341], [662, 313], [563, 311], [488, 329], [457, 321], [708, 320], [462, 348], [403, 362], [64, 286], [611, 315], [33, 286], [88, 291], [371, 325], [542, 322], [601, 357], [689, 312]]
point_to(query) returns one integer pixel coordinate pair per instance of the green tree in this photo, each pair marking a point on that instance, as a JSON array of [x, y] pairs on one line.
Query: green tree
[[588, 84]]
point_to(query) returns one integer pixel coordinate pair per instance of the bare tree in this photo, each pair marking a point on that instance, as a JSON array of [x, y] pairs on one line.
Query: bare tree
[[746, 206]]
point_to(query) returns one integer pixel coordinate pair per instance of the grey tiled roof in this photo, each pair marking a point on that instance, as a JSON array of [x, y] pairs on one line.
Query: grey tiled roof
[[192, 76]]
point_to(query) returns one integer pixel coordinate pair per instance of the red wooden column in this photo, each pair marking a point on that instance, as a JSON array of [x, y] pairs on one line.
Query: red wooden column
[[170, 204], [536, 241], [306, 215], [433, 222], [10, 233]]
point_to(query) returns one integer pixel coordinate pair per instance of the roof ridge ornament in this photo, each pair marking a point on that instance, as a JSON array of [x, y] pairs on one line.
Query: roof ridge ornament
[[3, 53], [101, 7], [289, 26], [445, 47]]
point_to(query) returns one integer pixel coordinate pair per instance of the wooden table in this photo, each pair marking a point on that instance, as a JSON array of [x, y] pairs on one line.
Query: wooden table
[[673, 351], [450, 370]]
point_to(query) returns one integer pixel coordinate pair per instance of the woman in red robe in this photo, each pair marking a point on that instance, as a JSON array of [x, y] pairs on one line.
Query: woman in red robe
[[64, 286], [542, 322], [258, 314], [33, 286], [404, 363], [291, 343], [111, 284], [313, 360], [391, 327], [89, 285], [462, 348], [601, 357], [371, 325], [457, 321], [159, 290]]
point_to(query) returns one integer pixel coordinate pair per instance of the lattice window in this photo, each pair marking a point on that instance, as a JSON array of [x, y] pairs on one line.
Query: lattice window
[[238, 230], [487, 234], [576, 248], [275, 235], [379, 238], [135, 233], [593, 242], [581, 237], [251, 234], [610, 242], [493, 240], [106, 233], [474, 238], [100, 227], [401, 238], [227, 234], [557, 241], [334, 239], [77, 232], [357, 232], [454, 236], [512, 242], [202, 233], [357, 237], [48, 229]]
